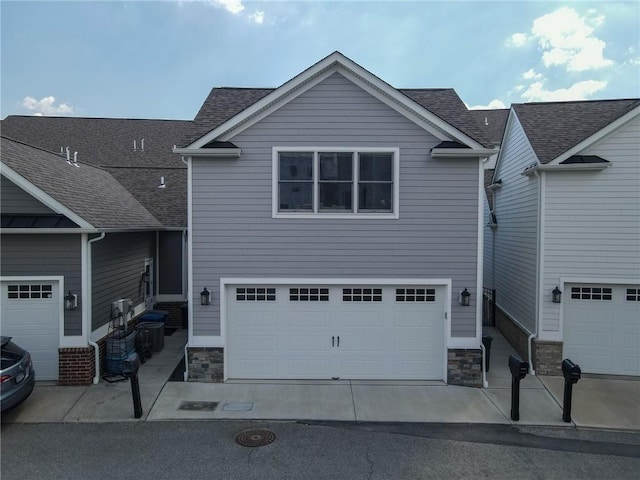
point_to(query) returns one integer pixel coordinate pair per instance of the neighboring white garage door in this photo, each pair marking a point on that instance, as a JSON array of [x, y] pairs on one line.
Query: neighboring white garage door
[[31, 315], [602, 328], [323, 332]]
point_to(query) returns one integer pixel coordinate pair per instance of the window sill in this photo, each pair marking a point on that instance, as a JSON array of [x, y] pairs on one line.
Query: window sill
[[338, 216]]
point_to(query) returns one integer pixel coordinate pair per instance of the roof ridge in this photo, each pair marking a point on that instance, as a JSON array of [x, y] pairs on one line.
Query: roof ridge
[[73, 117], [557, 102]]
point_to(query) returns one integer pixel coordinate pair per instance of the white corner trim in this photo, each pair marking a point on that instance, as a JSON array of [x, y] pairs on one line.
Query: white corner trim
[[480, 255], [45, 198]]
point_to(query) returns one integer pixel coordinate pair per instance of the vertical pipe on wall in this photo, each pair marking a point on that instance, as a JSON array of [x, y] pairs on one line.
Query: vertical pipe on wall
[[87, 315]]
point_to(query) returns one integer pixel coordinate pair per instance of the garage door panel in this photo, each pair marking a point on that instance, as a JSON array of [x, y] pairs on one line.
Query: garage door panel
[[602, 335], [380, 339]]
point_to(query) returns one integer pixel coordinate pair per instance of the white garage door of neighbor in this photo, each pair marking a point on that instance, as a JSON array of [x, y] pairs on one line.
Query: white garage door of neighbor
[[602, 328], [31, 315], [346, 331]]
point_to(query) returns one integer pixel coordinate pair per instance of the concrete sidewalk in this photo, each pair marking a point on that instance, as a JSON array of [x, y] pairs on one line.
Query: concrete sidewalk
[[597, 403]]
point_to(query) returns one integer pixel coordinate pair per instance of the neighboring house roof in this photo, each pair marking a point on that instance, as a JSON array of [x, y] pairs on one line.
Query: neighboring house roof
[[222, 104], [227, 109], [553, 128], [492, 123], [109, 143], [88, 192]]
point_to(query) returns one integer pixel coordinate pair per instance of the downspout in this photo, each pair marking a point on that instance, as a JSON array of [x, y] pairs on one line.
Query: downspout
[[540, 280], [480, 267], [96, 348], [185, 376]]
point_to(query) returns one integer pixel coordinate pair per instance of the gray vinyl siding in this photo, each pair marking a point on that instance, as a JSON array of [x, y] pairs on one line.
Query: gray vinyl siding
[[170, 263], [14, 200], [592, 220], [234, 234], [118, 260], [515, 239], [40, 255]]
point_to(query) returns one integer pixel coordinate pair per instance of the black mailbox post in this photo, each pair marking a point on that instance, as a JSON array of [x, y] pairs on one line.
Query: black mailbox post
[[572, 374], [519, 369], [130, 369]]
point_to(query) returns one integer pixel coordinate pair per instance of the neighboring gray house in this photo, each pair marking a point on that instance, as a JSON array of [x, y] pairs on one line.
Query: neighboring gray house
[[92, 231], [335, 222], [566, 201]]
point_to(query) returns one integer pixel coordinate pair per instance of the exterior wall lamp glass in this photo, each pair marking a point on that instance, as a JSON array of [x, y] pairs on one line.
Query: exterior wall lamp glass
[[556, 295], [205, 296], [70, 301], [464, 298]]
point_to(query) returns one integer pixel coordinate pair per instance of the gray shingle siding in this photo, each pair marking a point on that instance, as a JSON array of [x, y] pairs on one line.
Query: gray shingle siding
[[47, 255], [234, 234]]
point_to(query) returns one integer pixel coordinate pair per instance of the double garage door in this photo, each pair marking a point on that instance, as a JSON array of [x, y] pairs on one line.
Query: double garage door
[[335, 331], [31, 316], [602, 327]]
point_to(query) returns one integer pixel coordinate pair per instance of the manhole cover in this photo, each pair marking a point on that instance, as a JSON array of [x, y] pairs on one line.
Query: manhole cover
[[255, 438]]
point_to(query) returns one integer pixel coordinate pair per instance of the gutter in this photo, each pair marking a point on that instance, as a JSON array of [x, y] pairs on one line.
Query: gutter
[[463, 152], [209, 152], [566, 167], [89, 303]]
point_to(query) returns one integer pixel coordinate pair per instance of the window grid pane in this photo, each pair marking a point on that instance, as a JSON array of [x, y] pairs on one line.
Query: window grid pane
[[415, 294], [29, 292], [306, 294], [255, 294], [591, 293]]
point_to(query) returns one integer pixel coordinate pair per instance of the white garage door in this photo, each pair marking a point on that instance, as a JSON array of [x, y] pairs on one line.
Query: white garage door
[[602, 328], [322, 332], [31, 315]]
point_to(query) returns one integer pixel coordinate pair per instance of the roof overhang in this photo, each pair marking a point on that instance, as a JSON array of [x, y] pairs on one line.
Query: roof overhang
[[463, 152], [209, 152], [565, 167], [336, 62], [45, 198]]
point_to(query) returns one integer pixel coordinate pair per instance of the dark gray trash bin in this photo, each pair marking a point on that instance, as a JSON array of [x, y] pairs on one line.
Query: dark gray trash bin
[[156, 329]]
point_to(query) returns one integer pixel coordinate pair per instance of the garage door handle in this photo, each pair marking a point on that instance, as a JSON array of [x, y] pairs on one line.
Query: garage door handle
[[338, 340], [333, 340]]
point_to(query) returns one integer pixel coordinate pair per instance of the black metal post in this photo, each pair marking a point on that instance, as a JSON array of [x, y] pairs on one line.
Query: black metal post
[[135, 392], [515, 398], [566, 406]]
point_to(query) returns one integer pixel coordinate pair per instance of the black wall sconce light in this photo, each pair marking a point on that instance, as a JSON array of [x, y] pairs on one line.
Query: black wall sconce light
[[205, 296], [70, 301], [556, 295], [464, 298]]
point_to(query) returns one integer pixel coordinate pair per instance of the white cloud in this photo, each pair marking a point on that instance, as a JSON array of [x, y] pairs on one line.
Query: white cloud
[[567, 39], [257, 17], [517, 40], [233, 6], [46, 106], [493, 104], [536, 92], [531, 74]]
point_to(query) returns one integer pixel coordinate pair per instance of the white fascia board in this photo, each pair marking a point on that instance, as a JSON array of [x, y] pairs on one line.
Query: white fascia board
[[45, 198], [209, 152], [463, 152], [336, 62], [566, 167], [596, 137]]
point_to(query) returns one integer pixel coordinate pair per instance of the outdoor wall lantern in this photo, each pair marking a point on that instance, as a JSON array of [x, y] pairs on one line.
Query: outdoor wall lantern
[[70, 301], [205, 296], [557, 295], [464, 298]]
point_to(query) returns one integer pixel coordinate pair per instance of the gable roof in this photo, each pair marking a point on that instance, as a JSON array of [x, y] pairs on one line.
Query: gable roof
[[553, 128], [108, 143], [492, 123], [227, 111], [89, 195]]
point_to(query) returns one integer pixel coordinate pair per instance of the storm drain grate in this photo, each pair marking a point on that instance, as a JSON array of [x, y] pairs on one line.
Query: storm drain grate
[[237, 407], [255, 437], [198, 406]]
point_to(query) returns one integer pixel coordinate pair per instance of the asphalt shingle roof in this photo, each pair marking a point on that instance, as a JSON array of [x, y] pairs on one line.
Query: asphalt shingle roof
[[555, 127], [492, 123], [108, 143], [224, 103], [90, 192]]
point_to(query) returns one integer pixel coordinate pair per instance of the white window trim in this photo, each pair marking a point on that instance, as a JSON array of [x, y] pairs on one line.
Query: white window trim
[[395, 214]]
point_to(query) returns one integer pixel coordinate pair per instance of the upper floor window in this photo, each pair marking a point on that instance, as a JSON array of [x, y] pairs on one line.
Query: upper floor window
[[335, 182]]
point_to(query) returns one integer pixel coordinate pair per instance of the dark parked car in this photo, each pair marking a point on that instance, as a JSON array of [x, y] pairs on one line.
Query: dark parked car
[[17, 376]]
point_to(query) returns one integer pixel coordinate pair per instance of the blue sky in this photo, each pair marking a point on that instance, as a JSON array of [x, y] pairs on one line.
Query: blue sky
[[160, 59]]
